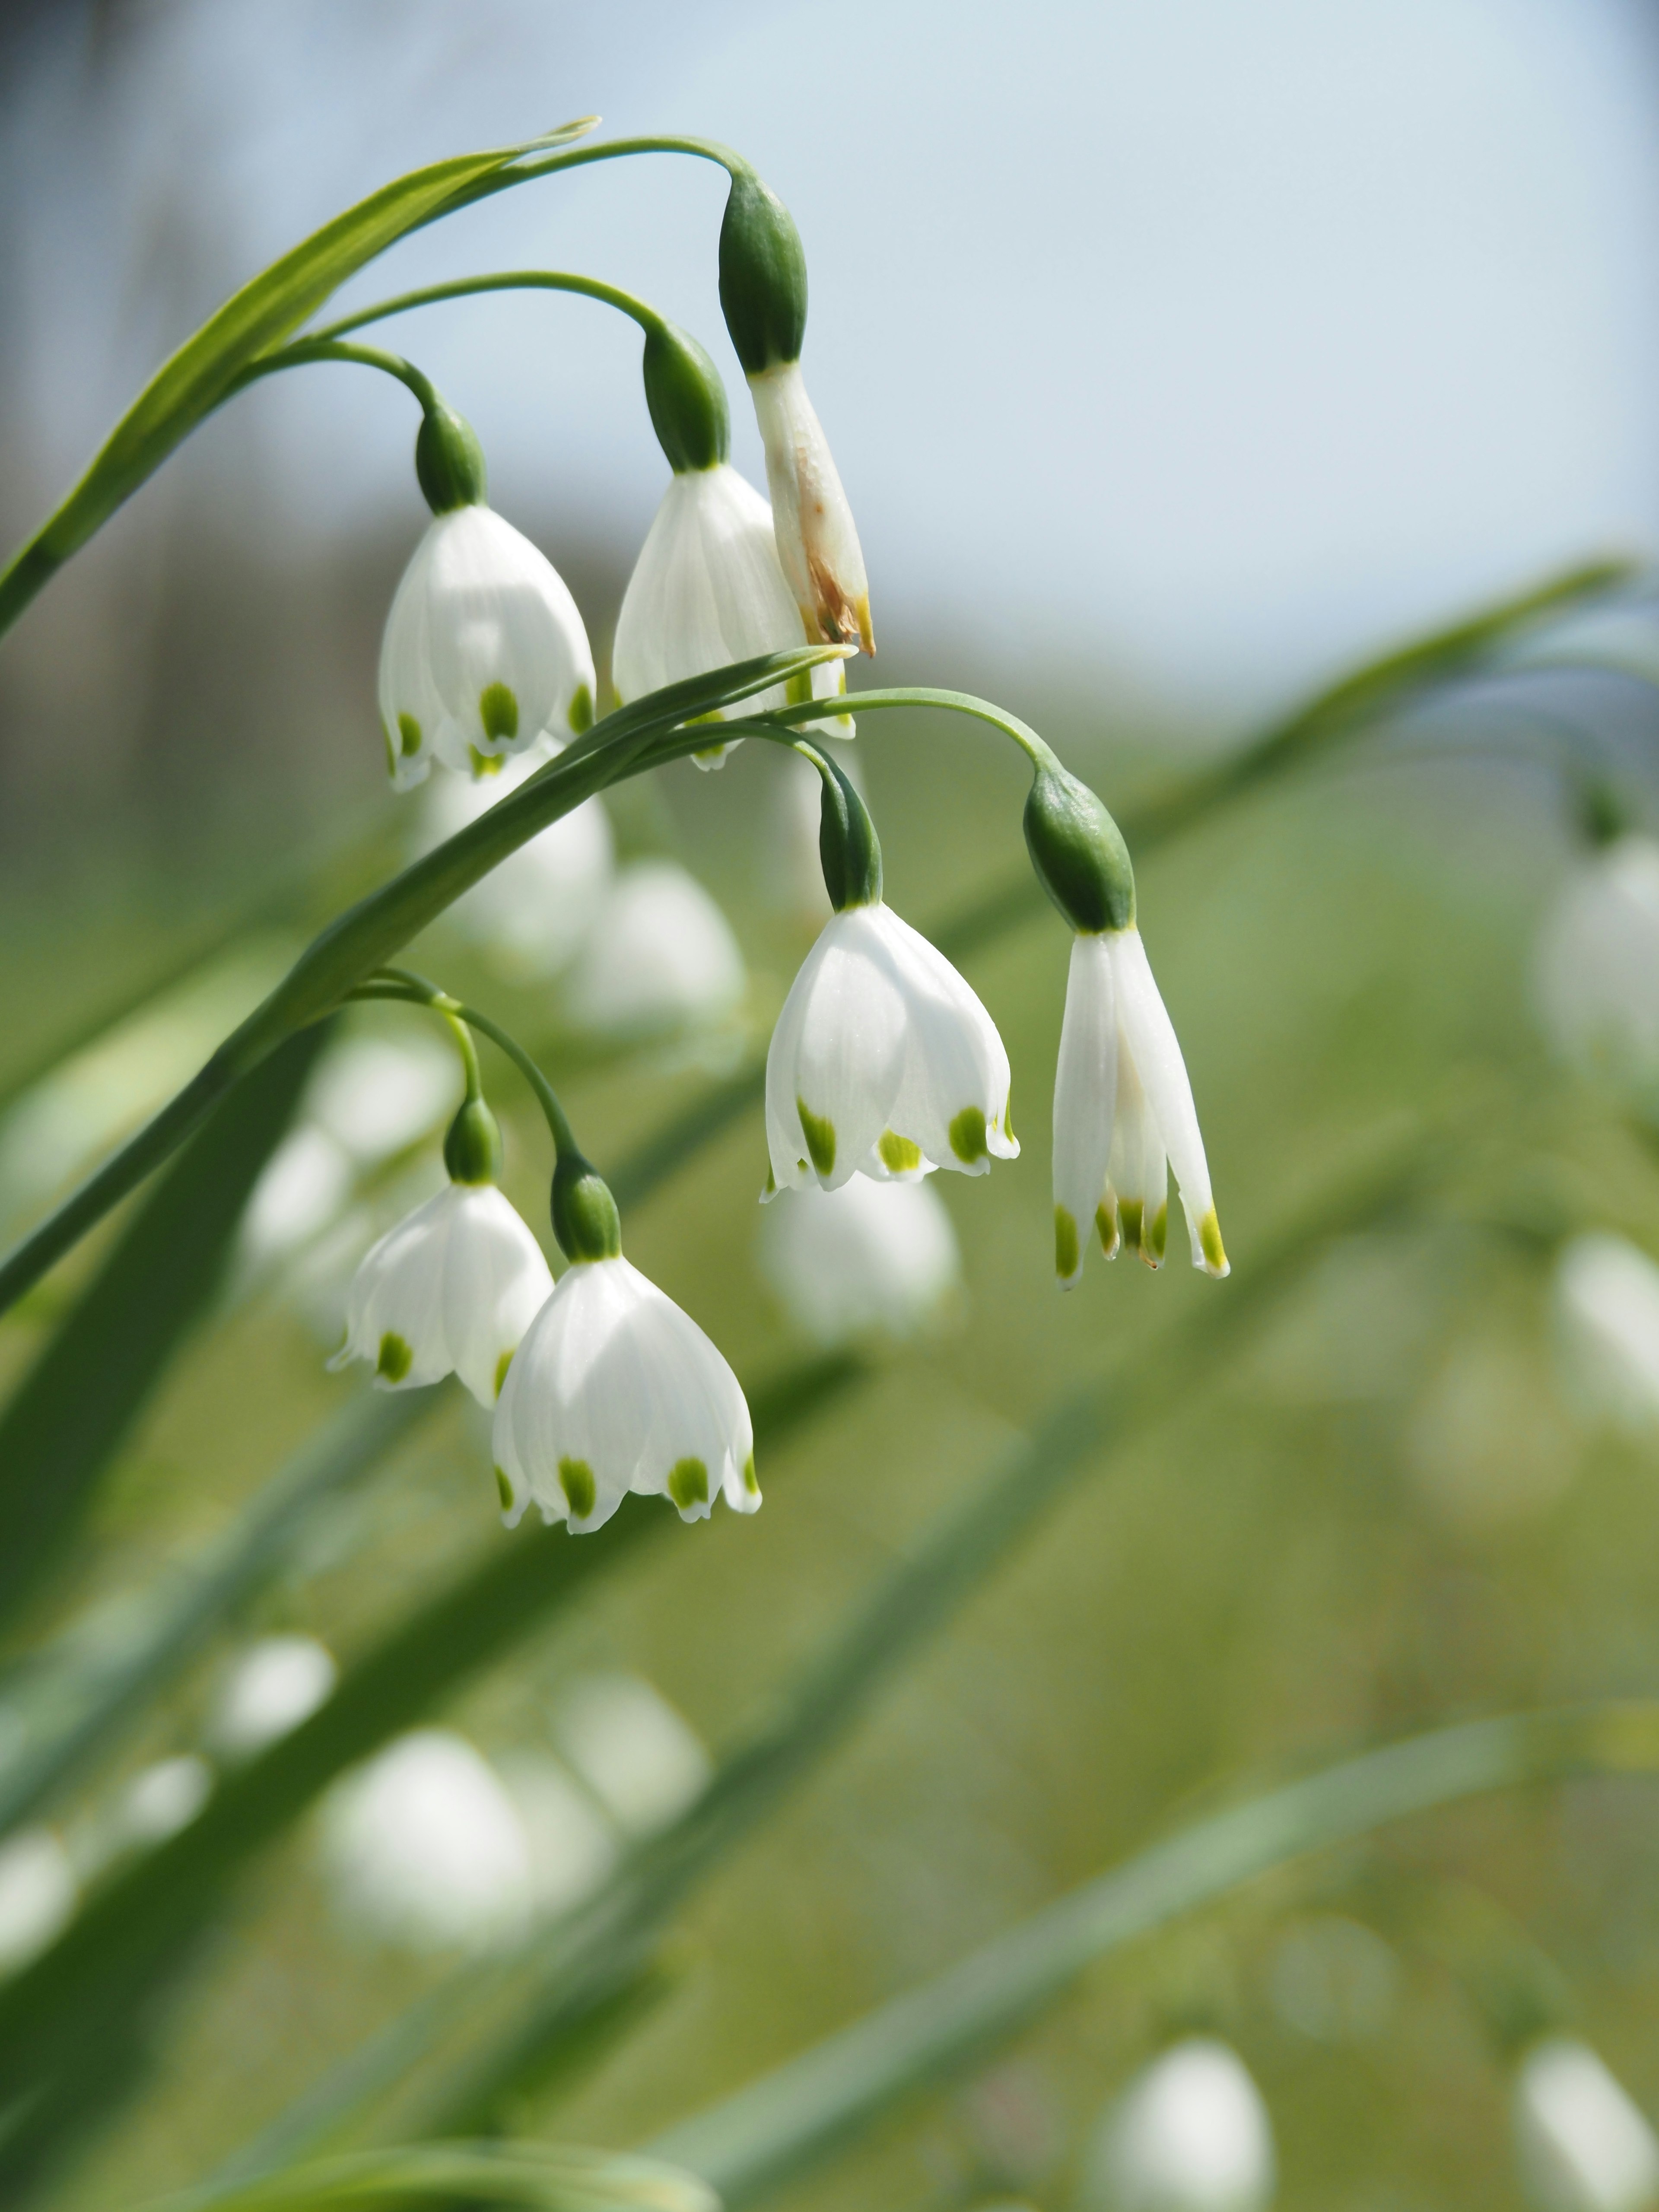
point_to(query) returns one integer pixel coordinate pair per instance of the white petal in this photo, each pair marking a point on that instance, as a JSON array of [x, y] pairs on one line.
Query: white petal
[[952, 1100], [1191, 2131], [495, 1282], [870, 1256], [817, 542], [838, 1052], [394, 1310], [658, 954], [1584, 2145], [1151, 1038], [1086, 1088], [410, 709]]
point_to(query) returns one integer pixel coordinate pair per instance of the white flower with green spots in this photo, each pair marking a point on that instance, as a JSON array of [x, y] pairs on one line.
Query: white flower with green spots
[[451, 1289], [883, 1063], [817, 539], [485, 650], [614, 1388], [1123, 1115], [707, 590]]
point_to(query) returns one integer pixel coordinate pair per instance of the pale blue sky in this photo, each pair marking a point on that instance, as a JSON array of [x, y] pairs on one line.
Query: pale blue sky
[[1217, 341]]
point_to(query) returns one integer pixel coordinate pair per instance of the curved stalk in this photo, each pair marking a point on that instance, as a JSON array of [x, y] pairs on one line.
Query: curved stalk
[[304, 351], [507, 280]]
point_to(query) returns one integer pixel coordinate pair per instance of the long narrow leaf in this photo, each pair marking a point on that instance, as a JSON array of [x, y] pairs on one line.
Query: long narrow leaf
[[550, 2176]]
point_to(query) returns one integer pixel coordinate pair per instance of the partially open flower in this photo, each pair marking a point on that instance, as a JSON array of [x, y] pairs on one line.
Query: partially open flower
[[453, 1288], [1583, 2145], [883, 1063], [1190, 2134], [614, 1388], [484, 652], [1123, 1112], [818, 541], [707, 591]]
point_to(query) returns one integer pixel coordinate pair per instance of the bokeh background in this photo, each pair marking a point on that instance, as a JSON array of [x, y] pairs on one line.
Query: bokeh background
[[1175, 360]]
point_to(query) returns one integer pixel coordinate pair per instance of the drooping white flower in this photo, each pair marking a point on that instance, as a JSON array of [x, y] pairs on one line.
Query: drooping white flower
[[1124, 1114], [869, 1256], [816, 540], [424, 1846], [707, 590], [614, 1388], [640, 1758], [37, 1895], [1581, 2144], [1606, 1306], [1597, 971], [275, 1685], [1190, 2134], [883, 1063], [530, 912], [659, 955], [453, 1288], [485, 650]]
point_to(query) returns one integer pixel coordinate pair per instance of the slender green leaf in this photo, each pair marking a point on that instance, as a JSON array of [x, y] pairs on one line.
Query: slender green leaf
[[62, 1427], [757, 2141], [549, 2177]]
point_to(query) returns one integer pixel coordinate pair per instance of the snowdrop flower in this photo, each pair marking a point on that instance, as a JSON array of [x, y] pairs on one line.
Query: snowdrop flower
[[614, 1388], [423, 1846], [1190, 2134], [161, 1799], [707, 591], [453, 1288], [659, 955], [1596, 971], [533, 911], [869, 1256], [37, 1895], [1123, 1107], [1581, 2144], [763, 295], [485, 650], [644, 1763], [274, 1685], [572, 1846], [883, 1062], [1607, 1305]]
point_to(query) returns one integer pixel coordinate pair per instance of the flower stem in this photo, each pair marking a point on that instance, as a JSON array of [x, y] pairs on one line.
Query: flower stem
[[306, 350], [416, 990], [507, 280]]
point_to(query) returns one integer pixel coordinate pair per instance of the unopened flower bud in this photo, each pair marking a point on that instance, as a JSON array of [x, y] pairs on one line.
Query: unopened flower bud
[[762, 276]]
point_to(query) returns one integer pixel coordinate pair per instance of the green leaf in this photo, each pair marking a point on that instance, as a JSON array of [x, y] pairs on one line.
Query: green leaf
[[547, 2177], [757, 2141], [64, 1423], [191, 383]]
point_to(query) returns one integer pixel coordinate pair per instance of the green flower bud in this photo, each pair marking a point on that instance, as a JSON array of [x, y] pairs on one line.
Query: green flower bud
[[449, 460], [472, 1149], [585, 1217], [1079, 853], [848, 845], [683, 390], [762, 276]]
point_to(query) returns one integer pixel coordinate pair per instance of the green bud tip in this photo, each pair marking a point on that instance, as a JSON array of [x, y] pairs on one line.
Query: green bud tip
[[472, 1147], [449, 460], [1079, 853], [848, 845], [687, 400], [585, 1217], [762, 276]]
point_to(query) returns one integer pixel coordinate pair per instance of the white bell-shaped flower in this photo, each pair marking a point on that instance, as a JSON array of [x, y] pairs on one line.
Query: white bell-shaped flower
[[640, 1759], [1581, 2144], [707, 590], [1124, 1114], [485, 650], [614, 1388], [451, 1289], [818, 541], [275, 1685], [883, 1063], [38, 1894], [871, 1256], [659, 955], [1596, 971], [1606, 1311], [531, 912], [1190, 2134]]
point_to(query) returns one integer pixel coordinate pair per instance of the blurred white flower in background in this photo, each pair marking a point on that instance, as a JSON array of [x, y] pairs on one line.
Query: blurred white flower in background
[[1189, 2134], [160, 1801], [1596, 967], [1581, 2144], [572, 1846], [660, 955], [304, 1185], [643, 1763], [38, 1894], [269, 1689], [376, 1096], [423, 1846], [529, 914], [1334, 1980], [869, 1256], [1607, 1310]]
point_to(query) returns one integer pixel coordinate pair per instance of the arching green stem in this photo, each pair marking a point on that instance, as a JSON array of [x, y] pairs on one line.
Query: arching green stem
[[464, 288], [416, 990], [306, 350], [613, 149], [788, 718]]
